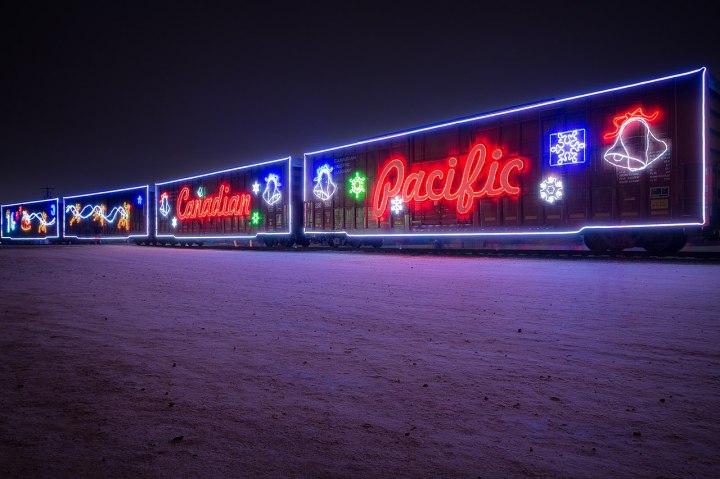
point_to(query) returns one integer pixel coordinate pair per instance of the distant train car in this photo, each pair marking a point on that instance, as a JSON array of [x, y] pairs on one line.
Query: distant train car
[[623, 167], [31, 221], [117, 215], [243, 203]]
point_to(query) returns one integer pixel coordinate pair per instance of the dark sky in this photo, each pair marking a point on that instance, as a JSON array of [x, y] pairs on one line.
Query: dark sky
[[103, 95]]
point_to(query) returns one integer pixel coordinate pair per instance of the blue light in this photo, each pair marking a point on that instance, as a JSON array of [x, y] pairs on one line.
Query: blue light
[[139, 200], [567, 147]]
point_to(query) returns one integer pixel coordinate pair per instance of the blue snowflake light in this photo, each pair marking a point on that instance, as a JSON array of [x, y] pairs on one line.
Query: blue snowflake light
[[567, 147]]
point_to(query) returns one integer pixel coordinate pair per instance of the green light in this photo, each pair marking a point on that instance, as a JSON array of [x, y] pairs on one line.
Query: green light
[[255, 218], [357, 185]]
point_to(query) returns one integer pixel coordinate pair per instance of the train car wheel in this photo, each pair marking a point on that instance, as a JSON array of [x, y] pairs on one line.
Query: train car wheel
[[665, 244], [595, 242]]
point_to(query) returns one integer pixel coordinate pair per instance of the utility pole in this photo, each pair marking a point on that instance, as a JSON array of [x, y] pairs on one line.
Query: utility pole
[[47, 191]]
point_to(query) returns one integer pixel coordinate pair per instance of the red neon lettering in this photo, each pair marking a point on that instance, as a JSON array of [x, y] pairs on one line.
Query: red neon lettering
[[219, 205], [438, 184]]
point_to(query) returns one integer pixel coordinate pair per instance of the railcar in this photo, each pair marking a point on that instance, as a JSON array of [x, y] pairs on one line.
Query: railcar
[[633, 166], [31, 221], [115, 215], [258, 201]]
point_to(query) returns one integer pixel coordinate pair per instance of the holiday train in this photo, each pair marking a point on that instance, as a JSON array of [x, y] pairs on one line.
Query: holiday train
[[633, 166]]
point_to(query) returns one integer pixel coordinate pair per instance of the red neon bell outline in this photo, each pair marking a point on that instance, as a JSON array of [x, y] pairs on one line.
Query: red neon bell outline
[[411, 186], [620, 119], [220, 205]]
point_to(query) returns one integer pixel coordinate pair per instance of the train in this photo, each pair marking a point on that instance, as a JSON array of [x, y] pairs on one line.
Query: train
[[635, 166]]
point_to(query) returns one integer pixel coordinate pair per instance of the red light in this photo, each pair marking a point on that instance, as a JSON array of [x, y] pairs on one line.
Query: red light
[[439, 182], [619, 120], [220, 205]]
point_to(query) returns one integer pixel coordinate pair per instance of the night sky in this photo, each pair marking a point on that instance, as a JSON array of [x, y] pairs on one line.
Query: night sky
[[104, 95]]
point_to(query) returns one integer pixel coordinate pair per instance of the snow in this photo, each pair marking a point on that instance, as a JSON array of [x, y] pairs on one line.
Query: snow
[[128, 361]]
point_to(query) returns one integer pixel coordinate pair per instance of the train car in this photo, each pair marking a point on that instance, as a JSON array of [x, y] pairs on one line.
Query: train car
[[31, 221], [116, 215], [623, 167], [244, 203]]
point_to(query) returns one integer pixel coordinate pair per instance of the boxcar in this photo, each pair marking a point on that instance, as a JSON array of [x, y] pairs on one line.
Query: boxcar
[[623, 167], [116, 215], [30, 221], [243, 203]]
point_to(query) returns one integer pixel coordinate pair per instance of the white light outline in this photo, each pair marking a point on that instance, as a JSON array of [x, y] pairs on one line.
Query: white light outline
[[514, 110], [397, 205], [46, 237], [568, 133], [225, 237], [164, 208], [111, 237], [647, 146], [324, 169], [97, 210], [275, 197], [551, 197]]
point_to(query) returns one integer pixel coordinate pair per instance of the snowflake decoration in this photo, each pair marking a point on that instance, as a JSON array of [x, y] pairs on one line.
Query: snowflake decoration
[[567, 147], [174, 222], [255, 218], [256, 187], [357, 185], [396, 205], [164, 205], [272, 195], [551, 189], [324, 186]]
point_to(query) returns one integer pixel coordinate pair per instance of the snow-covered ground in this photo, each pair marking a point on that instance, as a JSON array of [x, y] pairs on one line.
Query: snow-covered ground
[[127, 361]]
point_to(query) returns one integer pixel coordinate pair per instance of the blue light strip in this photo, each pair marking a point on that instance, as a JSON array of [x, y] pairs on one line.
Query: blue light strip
[[108, 192], [514, 110], [245, 167], [504, 112]]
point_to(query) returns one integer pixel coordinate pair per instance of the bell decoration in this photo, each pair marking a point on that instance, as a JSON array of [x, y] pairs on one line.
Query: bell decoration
[[635, 147], [324, 186], [272, 195]]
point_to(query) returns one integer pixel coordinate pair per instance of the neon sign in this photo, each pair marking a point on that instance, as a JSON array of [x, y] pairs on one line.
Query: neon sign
[[417, 186], [9, 221], [221, 205], [164, 205], [80, 213], [357, 185], [26, 218], [256, 218], [324, 186], [551, 189], [567, 147], [636, 147], [396, 205], [272, 196]]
